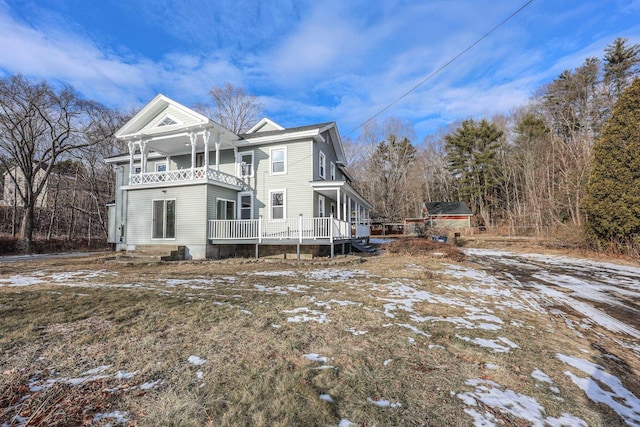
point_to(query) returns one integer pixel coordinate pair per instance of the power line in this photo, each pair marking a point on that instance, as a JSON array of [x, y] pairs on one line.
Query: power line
[[452, 60]]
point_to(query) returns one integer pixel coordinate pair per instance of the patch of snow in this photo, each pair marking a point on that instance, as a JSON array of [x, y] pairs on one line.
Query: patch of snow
[[413, 329], [273, 325], [492, 344], [346, 423], [123, 375], [386, 362], [332, 274], [315, 357], [98, 370], [120, 417], [287, 273], [538, 375], [436, 346], [150, 385], [195, 360], [384, 403], [491, 366], [313, 315], [326, 398], [614, 395], [200, 375], [355, 332], [19, 280], [510, 402]]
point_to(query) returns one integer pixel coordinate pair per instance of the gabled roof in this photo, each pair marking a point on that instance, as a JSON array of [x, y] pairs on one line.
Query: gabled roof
[[447, 208], [163, 115], [309, 131], [265, 125]]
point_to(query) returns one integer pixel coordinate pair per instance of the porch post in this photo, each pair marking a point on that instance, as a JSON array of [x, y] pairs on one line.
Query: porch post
[[143, 152], [132, 150], [331, 236], [205, 135], [217, 143], [194, 141], [349, 215], [338, 202]]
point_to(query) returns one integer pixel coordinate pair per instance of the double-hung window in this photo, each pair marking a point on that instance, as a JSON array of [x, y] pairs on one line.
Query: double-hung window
[[322, 165], [226, 209], [246, 205], [278, 204], [164, 219], [333, 171], [278, 160]]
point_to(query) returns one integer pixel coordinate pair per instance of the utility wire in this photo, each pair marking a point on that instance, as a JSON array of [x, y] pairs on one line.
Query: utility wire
[[452, 60]]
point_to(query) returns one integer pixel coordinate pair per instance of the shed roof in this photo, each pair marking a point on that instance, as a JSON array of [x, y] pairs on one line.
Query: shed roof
[[447, 208]]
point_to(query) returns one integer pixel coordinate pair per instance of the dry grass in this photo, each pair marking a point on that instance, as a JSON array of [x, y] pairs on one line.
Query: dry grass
[[149, 319]]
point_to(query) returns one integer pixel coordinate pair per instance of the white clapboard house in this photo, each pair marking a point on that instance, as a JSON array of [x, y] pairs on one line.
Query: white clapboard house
[[188, 182]]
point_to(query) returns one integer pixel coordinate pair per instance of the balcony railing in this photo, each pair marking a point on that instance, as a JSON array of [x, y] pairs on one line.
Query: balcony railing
[[185, 175], [289, 229]]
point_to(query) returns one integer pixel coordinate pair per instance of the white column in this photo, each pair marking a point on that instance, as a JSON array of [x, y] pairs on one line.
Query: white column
[[205, 135], [143, 152], [132, 150], [349, 213], [194, 141], [338, 202], [357, 214], [217, 142]]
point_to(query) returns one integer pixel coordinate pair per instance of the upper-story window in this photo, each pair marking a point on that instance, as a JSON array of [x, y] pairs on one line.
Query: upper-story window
[[322, 165], [245, 164], [278, 158], [161, 167], [333, 171]]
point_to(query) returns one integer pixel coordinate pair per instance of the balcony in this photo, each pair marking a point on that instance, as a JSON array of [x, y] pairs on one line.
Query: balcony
[[281, 231], [186, 176]]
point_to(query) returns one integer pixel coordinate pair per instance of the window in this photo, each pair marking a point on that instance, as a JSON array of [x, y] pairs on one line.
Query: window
[[278, 161], [164, 219], [321, 206], [167, 121], [226, 209], [333, 209], [277, 204], [199, 160], [137, 169], [323, 165], [333, 171], [161, 167], [245, 164], [245, 201]]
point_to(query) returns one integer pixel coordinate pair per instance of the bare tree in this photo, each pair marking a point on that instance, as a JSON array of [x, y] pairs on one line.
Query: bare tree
[[38, 126], [233, 108]]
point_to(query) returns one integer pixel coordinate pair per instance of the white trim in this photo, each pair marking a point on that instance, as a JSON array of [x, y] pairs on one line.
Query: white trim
[[239, 170], [332, 171], [263, 122], [322, 165], [164, 219], [239, 205], [284, 203], [271, 150], [222, 199]]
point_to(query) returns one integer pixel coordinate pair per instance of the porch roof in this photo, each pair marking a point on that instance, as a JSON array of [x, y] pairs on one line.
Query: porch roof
[[324, 187]]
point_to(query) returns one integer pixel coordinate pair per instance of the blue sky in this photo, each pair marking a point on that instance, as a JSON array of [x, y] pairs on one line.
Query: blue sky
[[312, 61]]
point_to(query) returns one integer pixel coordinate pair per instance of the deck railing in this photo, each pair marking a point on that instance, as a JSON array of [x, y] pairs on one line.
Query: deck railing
[[182, 175], [289, 229]]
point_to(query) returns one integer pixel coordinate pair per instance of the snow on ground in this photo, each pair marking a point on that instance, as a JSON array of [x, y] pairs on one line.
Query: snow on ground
[[614, 394], [499, 345], [507, 401], [195, 360]]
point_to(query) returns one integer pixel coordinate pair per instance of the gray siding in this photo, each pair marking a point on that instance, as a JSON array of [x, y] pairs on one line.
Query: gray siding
[[295, 182], [191, 221], [215, 193]]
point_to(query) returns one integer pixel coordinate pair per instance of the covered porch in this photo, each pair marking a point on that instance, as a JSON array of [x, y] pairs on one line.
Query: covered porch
[[349, 205]]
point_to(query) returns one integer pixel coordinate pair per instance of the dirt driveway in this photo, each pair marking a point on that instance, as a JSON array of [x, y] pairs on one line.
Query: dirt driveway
[[599, 293]]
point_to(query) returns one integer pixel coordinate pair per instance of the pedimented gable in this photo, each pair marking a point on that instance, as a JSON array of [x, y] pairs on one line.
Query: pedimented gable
[[161, 114], [265, 125]]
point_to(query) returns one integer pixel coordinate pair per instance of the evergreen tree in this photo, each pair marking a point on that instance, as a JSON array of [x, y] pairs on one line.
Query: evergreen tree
[[472, 154], [612, 203], [620, 64]]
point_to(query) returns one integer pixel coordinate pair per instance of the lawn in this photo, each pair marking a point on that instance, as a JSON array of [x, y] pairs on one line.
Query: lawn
[[397, 339]]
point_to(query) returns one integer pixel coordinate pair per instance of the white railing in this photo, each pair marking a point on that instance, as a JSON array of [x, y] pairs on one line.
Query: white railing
[[289, 229], [182, 175]]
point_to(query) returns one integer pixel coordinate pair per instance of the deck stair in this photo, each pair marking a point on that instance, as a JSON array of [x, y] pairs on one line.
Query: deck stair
[[363, 247]]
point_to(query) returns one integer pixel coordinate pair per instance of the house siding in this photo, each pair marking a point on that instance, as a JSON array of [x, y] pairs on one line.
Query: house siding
[[177, 114], [295, 182], [191, 220]]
